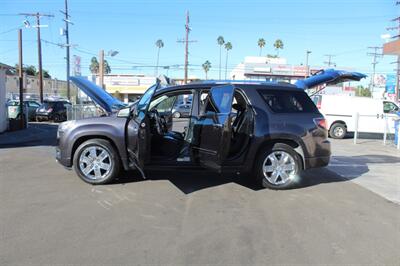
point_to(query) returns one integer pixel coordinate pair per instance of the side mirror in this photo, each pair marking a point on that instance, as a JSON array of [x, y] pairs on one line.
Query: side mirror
[[125, 112]]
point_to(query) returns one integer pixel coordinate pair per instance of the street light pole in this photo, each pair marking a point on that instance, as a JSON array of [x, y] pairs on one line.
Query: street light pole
[[101, 69], [308, 67]]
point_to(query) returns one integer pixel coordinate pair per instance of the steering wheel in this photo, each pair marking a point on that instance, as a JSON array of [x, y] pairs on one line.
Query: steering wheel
[[160, 124]]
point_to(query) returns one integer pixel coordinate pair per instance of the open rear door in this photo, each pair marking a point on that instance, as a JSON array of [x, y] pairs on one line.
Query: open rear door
[[213, 129], [329, 77]]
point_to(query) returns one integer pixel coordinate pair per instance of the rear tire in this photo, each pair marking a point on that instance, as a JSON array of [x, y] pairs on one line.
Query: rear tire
[[278, 167], [96, 162], [338, 131]]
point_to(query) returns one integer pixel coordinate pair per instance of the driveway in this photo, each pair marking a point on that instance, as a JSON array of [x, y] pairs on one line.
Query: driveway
[[49, 216]]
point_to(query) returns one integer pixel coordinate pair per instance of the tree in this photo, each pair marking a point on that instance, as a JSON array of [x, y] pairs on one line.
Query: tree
[[220, 41], [46, 74], [159, 44], [107, 68], [228, 46], [278, 45], [206, 67], [30, 70], [261, 44], [363, 92], [94, 66]]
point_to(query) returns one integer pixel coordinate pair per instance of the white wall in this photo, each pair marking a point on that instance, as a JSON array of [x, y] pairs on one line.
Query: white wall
[[3, 118]]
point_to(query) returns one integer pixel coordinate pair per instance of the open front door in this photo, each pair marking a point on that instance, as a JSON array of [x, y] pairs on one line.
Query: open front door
[[138, 131], [213, 128]]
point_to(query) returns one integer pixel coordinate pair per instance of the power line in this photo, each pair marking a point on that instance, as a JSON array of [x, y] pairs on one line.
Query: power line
[[186, 41], [375, 55], [38, 16], [329, 62]]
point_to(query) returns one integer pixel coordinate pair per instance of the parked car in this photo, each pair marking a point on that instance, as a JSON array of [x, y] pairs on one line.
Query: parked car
[[269, 131], [340, 111], [14, 110], [52, 110], [181, 110]]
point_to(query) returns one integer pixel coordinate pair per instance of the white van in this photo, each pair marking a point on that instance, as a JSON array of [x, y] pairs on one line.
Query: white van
[[340, 114]]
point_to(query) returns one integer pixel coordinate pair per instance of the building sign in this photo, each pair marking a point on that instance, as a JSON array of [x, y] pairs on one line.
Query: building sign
[[390, 86], [77, 65], [379, 80]]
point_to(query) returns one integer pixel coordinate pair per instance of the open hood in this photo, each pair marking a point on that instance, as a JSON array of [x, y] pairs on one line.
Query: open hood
[[329, 76], [98, 95]]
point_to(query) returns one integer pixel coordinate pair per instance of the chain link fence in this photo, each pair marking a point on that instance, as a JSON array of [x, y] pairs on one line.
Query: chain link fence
[[81, 111]]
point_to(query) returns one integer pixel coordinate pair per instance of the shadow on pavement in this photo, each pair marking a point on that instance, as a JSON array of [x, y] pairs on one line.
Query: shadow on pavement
[[349, 167], [37, 134]]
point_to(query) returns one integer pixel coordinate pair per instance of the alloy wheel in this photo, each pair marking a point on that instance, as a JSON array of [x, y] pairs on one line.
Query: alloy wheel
[[95, 162], [279, 167]]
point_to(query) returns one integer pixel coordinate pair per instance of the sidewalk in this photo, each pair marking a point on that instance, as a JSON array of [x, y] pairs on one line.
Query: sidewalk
[[369, 164], [35, 134]]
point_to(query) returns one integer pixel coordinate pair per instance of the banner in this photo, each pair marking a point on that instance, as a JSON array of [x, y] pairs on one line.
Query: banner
[[390, 86]]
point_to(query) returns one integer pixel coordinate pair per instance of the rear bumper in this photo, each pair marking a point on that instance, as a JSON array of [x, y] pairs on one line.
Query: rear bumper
[[316, 162], [43, 116]]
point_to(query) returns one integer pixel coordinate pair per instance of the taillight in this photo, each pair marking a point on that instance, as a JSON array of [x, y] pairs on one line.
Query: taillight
[[321, 122], [319, 105]]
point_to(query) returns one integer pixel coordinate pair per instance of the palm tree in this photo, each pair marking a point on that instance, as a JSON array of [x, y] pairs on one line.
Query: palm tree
[[228, 46], [107, 68], [94, 65], [278, 45], [261, 44], [159, 44], [220, 41], [206, 67]]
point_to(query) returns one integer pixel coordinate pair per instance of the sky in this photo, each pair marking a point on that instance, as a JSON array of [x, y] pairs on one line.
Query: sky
[[344, 28]]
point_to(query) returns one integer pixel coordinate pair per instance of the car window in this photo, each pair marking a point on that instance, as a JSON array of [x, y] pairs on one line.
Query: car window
[[163, 103], [33, 104], [144, 102], [220, 99], [389, 107], [288, 101]]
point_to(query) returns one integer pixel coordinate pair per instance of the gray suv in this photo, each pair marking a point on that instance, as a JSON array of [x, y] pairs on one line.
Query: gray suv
[[268, 131]]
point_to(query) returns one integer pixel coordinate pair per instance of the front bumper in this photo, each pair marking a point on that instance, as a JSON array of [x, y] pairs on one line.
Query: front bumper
[[64, 161]]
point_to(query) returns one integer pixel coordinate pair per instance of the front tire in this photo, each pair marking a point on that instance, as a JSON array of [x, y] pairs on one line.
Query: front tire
[[338, 131], [96, 162], [278, 167]]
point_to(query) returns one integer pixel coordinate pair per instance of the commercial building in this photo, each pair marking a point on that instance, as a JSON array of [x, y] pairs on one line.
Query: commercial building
[[51, 87], [393, 48], [269, 69], [127, 87], [3, 107]]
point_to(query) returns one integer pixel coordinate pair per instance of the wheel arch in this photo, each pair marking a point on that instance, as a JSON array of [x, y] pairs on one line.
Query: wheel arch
[[338, 121], [269, 143], [84, 138]]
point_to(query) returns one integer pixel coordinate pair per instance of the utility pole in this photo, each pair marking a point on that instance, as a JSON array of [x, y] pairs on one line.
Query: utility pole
[[101, 69], [307, 66], [39, 44], [21, 80], [186, 41], [329, 62], [67, 46], [375, 55]]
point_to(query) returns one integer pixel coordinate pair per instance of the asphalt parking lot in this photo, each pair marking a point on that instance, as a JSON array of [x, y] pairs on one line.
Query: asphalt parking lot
[[347, 213]]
